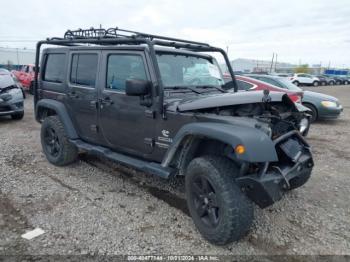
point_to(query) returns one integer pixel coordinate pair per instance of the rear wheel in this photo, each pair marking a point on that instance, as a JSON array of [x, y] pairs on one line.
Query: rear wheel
[[315, 83], [219, 209], [346, 82], [314, 114], [56, 146]]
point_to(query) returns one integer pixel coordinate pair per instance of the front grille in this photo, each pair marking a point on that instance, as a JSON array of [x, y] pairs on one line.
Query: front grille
[[5, 108]]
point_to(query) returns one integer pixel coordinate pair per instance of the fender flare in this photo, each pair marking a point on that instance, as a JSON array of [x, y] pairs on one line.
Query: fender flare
[[259, 147], [62, 113]]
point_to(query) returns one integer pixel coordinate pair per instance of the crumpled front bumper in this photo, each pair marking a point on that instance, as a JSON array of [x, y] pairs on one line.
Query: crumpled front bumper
[[295, 164], [11, 106]]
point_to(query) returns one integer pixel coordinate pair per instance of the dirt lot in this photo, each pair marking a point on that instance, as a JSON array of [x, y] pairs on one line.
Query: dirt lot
[[96, 207]]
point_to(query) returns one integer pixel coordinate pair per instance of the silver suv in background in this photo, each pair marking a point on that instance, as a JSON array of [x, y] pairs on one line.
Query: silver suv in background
[[305, 79]]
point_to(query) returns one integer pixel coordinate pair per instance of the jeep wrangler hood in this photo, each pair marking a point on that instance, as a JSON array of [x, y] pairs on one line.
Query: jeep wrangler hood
[[227, 99]]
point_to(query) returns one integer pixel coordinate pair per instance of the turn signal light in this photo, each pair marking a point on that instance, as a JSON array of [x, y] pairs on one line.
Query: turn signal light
[[240, 149]]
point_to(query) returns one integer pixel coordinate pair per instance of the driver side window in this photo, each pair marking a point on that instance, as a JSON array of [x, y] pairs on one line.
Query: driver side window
[[121, 67]]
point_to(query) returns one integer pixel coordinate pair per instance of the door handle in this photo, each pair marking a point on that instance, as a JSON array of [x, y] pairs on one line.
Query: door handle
[[72, 95], [106, 101]]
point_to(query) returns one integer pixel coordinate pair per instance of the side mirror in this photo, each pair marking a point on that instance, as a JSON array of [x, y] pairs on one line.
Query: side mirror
[[135, 87]]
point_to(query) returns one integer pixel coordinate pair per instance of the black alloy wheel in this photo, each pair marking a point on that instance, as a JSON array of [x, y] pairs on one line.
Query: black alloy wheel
[[205, 201], [52, 143]]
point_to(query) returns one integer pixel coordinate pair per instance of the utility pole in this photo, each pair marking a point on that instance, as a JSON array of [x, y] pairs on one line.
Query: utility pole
[[17, 57], [276, 63], [273, 56]]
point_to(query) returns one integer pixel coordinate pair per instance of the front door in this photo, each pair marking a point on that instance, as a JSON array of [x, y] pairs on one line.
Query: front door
[[126, 124], [82, 93]]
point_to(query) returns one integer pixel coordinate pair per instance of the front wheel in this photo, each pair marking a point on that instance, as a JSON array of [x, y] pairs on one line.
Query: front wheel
[[314, 113], [56, 146], [219, 209], [315, 83]]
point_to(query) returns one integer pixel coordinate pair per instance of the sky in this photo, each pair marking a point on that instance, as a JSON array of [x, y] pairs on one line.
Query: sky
[[299, 31]]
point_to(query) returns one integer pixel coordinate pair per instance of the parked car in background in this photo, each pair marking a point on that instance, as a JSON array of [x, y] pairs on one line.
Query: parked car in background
[[322, 106], [11, 98], [338, 80], [305, 79], [26, 76], [4, 71], [251, 84], [345, 80], [325, 81]]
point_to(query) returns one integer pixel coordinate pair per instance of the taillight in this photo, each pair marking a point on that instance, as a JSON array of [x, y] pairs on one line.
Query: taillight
[[295, 98]]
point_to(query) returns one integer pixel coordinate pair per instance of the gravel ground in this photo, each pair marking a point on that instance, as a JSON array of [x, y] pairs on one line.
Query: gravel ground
[[97, 207]]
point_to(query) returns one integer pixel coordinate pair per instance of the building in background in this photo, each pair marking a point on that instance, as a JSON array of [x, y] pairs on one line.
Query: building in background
[[12, 58], [260, 66]]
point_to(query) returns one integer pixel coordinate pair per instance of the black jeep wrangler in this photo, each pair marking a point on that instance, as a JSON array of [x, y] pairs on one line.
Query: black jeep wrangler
[[160, 105]]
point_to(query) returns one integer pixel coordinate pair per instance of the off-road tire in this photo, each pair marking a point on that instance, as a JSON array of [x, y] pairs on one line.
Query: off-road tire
[[236, 211], [67, 152], [17, 116], [314, 114]]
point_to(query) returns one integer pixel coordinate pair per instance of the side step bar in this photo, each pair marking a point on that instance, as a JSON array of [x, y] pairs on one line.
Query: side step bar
[[148, 167]]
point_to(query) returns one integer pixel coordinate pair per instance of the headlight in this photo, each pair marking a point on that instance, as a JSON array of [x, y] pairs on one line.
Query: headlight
[[329, 104], [6, 97], [303, 125]]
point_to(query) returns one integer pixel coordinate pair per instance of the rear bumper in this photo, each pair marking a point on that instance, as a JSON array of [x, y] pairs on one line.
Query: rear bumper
[[269, 184]]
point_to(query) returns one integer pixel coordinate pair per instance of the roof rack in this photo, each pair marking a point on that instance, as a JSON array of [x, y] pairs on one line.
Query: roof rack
[[116, 33]]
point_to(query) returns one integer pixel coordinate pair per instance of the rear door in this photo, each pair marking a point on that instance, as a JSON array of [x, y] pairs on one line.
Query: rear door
[[82, 95]]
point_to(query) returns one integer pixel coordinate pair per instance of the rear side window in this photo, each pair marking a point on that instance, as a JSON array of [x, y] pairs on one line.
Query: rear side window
[[243, 85], [84, 69], [54, 68]]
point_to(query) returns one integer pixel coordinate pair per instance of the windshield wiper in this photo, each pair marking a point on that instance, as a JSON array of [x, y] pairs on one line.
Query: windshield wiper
[[183, 87]]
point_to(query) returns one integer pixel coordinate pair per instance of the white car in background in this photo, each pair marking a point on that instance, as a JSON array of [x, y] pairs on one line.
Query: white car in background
[[305, 79]]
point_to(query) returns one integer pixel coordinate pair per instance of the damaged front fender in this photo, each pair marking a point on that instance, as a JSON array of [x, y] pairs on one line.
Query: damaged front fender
[[258, 145]]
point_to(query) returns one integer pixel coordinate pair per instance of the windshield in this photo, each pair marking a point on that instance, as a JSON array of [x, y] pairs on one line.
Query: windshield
[[289, 85], [179, 70]]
